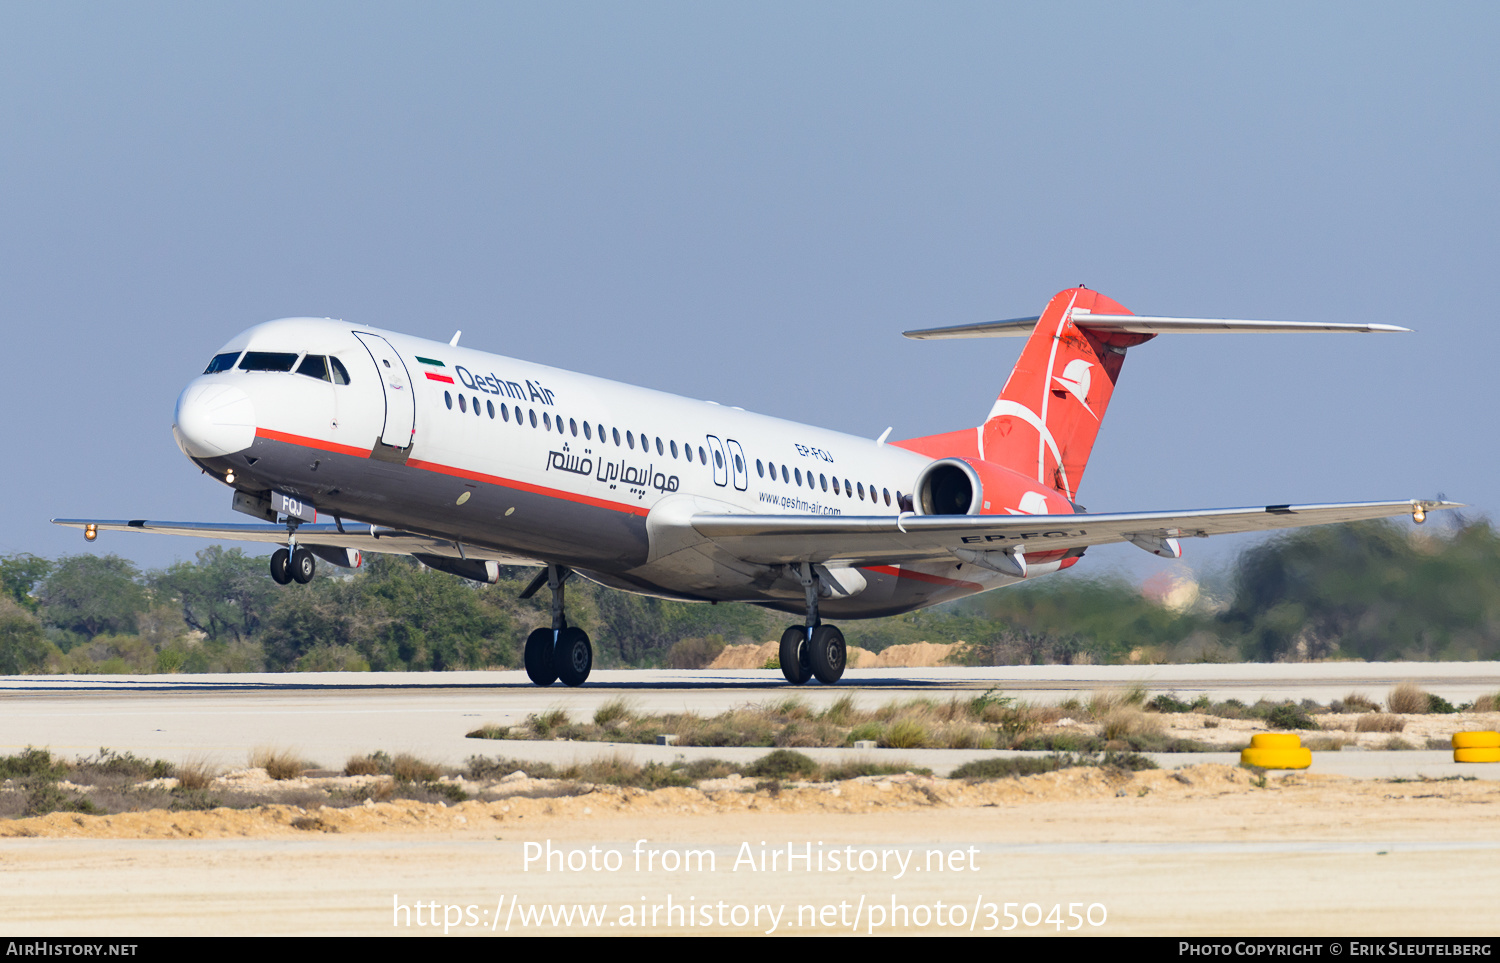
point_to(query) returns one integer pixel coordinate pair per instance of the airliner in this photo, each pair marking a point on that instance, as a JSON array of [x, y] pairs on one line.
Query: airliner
[[343, 439]]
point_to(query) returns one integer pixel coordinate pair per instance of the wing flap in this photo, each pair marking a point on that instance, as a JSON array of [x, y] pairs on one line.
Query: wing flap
[[884, 539], [356, 535]]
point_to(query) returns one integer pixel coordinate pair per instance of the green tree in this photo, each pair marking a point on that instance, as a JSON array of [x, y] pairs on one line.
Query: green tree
[[90, 594], [23, 643], [225, 595], [19, 574]]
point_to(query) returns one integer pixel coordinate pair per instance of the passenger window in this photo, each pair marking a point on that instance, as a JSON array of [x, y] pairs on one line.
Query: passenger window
[[546, 421], [463, 405], [836, 484], [476, 407], [674, 449], [739, 465], [587, 435], [630, 441], [760, 469], [616, 433], [573, 427], [267, 361], [532, 413], [718, 460], [824, 480], [490, 407], [504, 412], [448, 399], [314, 366], [787, 481], [659, 449], [798, 473], [340, 373], [222, 362], [701, 456]]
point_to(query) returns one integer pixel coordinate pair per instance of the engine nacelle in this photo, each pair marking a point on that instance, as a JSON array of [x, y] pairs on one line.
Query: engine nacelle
[[969, 486]]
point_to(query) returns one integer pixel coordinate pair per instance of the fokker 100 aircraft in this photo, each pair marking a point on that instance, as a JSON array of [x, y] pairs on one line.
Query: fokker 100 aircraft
[[468, 461]]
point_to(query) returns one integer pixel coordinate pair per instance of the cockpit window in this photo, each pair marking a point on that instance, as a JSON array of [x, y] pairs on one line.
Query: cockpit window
[[340, 373], [221, 362], [267, 361], [314, 366]]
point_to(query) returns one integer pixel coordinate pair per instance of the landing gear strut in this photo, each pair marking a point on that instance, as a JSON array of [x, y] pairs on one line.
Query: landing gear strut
[[563, 651], [812, 649]]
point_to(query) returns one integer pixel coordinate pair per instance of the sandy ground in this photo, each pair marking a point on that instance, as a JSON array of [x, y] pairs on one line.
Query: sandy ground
[[1205, 850]]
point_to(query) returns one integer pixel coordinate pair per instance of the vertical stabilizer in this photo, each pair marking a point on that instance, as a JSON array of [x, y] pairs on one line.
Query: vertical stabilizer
[[1044, 423]]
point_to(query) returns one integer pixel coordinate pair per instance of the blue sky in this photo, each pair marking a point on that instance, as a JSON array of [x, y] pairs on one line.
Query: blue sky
[[748, 203]]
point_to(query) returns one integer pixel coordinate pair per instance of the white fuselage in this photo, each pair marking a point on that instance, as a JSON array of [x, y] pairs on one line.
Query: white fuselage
[[518, 461]]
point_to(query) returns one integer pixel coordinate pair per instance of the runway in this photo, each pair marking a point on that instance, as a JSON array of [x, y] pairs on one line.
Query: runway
[[328, 717]]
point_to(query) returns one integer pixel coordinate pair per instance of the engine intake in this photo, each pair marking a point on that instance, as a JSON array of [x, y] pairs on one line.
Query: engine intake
[[948, 487]]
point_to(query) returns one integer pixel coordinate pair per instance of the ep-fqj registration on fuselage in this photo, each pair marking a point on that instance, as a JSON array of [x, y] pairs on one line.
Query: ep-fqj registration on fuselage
[[468, 460]]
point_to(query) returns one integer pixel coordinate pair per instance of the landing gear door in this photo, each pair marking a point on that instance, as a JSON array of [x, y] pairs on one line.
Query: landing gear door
[[737, 464], [721, 463], [395, 383]]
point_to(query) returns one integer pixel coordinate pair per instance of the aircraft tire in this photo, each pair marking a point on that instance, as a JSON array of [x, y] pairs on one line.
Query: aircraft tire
[[828, 654], [539, 665], [303, 566], [281, 566], [574, 656], [796, 664], [1476, 740]]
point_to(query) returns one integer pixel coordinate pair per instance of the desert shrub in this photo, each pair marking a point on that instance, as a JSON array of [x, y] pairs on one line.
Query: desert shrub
[[1379, 722], [841, 712], [1169, 703], [1127, 723], [613, 713], [1408, 699], [1290, 716], [32, 762], [408, 768], [195, 775], [279, 763], [1437, 705], [906, 733], [782, 764]]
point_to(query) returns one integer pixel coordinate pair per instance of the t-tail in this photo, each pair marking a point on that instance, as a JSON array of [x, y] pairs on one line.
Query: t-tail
[[1045, 421]]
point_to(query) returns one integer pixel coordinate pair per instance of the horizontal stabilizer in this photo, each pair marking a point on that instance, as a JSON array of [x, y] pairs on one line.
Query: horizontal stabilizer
[[1139, 324]]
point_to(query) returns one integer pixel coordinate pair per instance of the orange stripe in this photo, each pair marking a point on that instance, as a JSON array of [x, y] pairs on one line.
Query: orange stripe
[[526, 487], [898, 572], [320, 444], [307, 442]]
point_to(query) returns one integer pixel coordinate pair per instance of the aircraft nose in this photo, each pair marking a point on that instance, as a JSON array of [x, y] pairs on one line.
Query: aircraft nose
[[213, 420]]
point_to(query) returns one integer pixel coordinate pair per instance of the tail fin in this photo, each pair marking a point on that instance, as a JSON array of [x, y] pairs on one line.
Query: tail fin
[[1045, 421]]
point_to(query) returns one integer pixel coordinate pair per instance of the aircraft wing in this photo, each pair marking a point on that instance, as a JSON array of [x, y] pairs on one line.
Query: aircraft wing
[[355, 535], [871, 540]]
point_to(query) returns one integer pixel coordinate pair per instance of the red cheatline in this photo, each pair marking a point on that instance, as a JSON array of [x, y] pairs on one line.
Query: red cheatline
[[437, 377]]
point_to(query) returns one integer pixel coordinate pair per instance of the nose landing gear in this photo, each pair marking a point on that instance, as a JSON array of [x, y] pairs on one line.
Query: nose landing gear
[[563, 651], [287, 566]]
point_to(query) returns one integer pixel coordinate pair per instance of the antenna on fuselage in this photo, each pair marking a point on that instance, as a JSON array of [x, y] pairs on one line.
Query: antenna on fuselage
[[453, 342]]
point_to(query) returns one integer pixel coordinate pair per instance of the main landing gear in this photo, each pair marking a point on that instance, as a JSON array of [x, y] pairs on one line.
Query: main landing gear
[[812, 649], [563, 651]]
